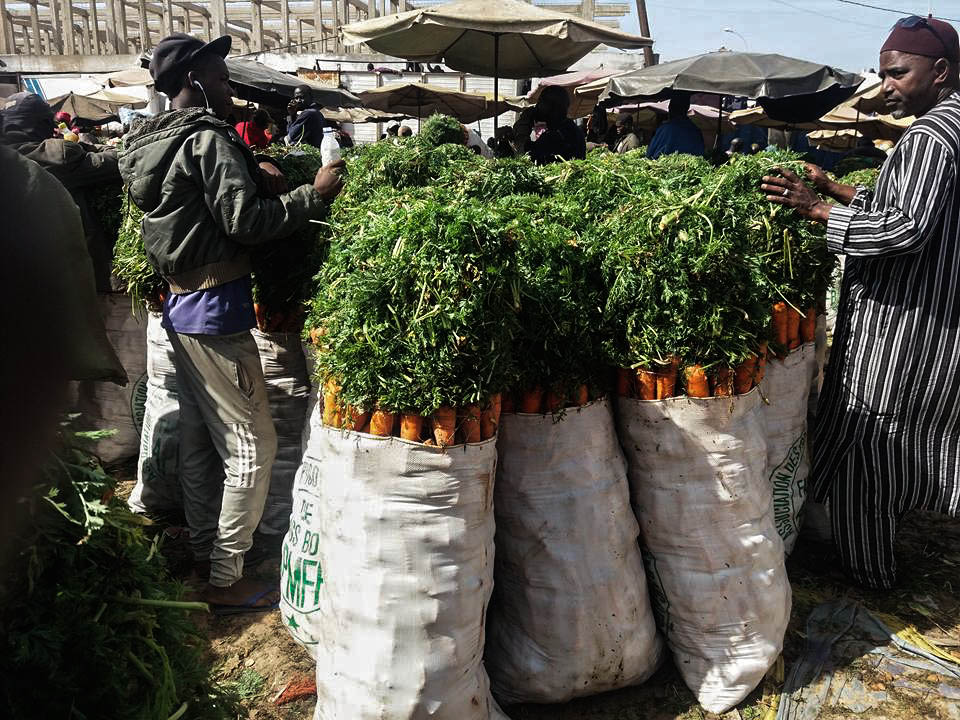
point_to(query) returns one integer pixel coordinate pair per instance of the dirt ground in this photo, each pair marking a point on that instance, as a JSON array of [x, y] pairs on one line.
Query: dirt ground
[[257, 659], [257, 652]]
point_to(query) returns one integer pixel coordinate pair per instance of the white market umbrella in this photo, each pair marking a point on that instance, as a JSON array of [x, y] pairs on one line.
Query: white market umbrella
[[97, 107], [506, 38]]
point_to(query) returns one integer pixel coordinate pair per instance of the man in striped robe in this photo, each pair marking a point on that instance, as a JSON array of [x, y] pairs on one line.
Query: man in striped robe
[[887, 439]]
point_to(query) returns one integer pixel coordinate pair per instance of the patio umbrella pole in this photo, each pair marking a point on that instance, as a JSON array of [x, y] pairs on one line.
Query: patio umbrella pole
[[496, 80], [716, 145]]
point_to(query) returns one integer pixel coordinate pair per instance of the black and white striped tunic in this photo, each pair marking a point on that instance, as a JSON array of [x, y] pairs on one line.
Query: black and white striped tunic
[[888, 429]]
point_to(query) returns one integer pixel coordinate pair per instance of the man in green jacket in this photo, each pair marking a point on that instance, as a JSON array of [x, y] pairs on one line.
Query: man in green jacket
[[28, 125], [206, 202]]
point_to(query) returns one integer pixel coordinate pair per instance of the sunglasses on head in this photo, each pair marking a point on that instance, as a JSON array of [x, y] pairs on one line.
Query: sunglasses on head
[[915, 21]]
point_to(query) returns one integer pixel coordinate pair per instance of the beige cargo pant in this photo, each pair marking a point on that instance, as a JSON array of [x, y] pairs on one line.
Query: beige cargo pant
[[227, 446]]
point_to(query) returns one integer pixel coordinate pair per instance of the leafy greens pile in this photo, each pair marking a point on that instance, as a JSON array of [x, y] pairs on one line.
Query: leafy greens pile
[[614, 260], [91, 624], [862, 178]]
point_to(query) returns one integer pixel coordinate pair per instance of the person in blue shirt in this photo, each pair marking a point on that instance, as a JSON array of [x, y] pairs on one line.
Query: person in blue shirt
[[305, 121], [678, 134]]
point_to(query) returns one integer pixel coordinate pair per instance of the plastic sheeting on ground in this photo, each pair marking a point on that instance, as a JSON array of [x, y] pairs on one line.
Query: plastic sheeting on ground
[[860, 664]]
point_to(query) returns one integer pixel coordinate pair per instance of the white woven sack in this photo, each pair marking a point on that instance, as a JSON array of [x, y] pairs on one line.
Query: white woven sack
[[288, 393], [571, 612], [103, 405], [786, 388], [158, 468], [698, 481], [387, 572]]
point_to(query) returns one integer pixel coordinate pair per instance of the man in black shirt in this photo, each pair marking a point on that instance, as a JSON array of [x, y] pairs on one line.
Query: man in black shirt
[[562, 140]]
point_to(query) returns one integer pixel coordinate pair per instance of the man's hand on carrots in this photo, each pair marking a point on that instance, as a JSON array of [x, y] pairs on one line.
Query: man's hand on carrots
[[788, 189]]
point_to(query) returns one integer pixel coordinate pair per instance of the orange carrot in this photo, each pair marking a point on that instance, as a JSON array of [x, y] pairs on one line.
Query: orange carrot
[[490, 418], [667, 379], [355, 419], [581, 396], [552, 402], [646, 385], [444, 425], [331, 406], [625, 382], [793, 328], [808, 326], [530, 400], [381, 423], [722, 382], [697, 385], [743, 377], [470, 424], [780, 324], [761, 361], [261, 314], [411, 426], [508, 404]]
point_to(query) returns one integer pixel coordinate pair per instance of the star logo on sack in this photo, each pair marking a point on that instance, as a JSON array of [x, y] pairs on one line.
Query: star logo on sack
[[292, 623]]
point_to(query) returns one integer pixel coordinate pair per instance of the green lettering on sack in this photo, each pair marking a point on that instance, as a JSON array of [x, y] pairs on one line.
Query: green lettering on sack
[[786, 486], [303, 580]]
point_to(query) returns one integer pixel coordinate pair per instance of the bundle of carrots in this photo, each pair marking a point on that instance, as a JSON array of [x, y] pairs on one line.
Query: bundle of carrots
[[791, 329], [536, 400], [669, 380], [446, 427]]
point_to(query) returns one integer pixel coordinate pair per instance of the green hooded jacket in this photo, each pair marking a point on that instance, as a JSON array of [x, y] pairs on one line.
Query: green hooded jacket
[[197, 184]]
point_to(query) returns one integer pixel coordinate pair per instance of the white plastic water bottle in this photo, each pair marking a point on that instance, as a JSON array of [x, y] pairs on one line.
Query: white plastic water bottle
[[329, 147]]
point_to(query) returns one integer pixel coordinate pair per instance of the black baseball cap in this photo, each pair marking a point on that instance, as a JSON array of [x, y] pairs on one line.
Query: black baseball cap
[[174, 54], [27, 112]]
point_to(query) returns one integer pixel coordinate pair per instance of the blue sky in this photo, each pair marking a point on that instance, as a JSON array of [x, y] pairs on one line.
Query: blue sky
[[826, 31]]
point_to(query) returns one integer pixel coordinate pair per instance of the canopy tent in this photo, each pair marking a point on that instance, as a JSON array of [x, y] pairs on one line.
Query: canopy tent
[[846, 139], [99, 107], [259, 83], [703, 116], [129, 78], [869, 96], [508, 38], [843, 117], [419, 100], [357, 116], [787, 88], [581, 105]]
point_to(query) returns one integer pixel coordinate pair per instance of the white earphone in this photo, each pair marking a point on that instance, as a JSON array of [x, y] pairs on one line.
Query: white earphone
[[206, 103]]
